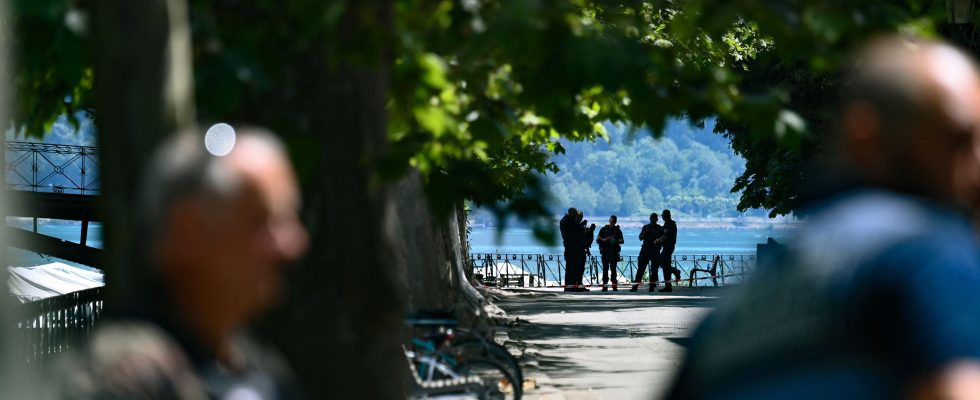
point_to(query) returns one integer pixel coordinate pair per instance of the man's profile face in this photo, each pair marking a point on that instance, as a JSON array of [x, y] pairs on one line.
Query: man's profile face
[[251, 237]]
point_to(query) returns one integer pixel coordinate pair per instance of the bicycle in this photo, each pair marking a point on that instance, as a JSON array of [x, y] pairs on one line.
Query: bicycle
[[440, 355]]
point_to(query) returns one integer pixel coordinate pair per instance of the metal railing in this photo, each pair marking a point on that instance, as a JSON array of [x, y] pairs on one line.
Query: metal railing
[[56, 168], [547, 270], [51, 326]]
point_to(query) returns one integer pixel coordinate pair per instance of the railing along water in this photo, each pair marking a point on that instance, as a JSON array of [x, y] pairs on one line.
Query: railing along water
[[548, 270], [51, 326], [57, 168]]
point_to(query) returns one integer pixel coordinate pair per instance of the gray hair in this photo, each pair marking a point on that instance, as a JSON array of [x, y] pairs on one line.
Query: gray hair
[[886, 74], [182, 169]]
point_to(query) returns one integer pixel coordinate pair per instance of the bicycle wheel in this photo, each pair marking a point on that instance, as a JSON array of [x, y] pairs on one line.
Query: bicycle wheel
[[498, 382], [489, 349]]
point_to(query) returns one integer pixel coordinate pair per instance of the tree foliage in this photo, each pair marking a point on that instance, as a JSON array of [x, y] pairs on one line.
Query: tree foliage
[[811, 41], [53, 63], [484, 92], [633, 201]]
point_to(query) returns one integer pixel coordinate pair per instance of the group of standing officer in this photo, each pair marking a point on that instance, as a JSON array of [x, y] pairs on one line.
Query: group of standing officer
[[657, 250]]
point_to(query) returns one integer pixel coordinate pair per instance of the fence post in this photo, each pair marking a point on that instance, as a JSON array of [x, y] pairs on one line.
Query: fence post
[[561, 266], [632, 272], [722, 273]]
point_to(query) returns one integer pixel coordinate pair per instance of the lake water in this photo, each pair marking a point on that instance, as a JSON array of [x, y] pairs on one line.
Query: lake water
[[482, 240], [70, 232], [689, 241]]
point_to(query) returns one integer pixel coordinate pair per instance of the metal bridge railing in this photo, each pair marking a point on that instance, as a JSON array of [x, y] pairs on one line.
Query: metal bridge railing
[[548, 270], [51, 326], [57, 168]]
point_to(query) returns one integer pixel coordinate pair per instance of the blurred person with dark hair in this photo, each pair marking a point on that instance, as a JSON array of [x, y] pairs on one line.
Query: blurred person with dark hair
[[219, 231], [666, 257], [610, 239], [652, 236], [878, 297]]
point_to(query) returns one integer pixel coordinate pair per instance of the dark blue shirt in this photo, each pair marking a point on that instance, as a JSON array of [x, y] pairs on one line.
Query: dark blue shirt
[[877, 289]]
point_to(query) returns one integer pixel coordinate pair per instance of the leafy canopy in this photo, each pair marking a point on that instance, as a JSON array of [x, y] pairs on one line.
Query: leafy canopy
[[482, 91]]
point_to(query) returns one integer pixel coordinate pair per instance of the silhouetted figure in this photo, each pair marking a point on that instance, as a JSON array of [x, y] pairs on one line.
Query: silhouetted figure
[[220, 231], [572, 235], [610, 239], [588, 236], [878, 295], [665, 260], [652, 236], [567, 223]]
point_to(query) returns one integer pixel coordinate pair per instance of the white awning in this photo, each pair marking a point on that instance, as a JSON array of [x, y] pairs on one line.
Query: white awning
[[50, 280]]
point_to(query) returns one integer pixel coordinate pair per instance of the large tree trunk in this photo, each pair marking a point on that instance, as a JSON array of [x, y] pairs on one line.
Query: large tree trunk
[[342, 328], [143, 92], [421, 251], [429, 255]]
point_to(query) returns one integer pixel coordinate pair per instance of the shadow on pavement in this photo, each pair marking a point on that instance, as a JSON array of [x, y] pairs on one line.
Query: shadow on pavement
[[549, 304]]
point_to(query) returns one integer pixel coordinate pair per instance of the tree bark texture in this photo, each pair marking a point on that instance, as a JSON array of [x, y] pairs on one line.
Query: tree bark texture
[[141, 78], [341, 328], [425, 254]]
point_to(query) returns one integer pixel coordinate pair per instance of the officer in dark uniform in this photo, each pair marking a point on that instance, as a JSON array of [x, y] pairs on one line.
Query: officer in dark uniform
[[667, 254], [610, 239], [571, 237], [587, 237], [652, 236]]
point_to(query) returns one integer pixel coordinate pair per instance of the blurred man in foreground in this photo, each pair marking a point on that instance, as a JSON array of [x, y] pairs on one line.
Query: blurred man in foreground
[[220, 229], [878, 296]]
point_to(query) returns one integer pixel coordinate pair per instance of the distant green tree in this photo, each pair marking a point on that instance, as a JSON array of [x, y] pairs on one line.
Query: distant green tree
[[653, 199], [610, 200], [583, 197], [560, 195], [633, 202]]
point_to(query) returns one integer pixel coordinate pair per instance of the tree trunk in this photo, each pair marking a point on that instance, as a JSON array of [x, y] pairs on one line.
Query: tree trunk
[[143, 92], [421, 249], [341, 328], [429, 254], [462, 227]]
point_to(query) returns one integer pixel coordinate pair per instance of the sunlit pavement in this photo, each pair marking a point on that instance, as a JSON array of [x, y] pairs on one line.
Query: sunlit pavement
[[595, 345]]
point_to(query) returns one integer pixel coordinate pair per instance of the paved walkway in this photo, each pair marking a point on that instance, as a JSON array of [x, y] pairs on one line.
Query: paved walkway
[[614, 345]]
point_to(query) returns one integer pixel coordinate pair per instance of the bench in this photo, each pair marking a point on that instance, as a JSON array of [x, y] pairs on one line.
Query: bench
[[712, 272]]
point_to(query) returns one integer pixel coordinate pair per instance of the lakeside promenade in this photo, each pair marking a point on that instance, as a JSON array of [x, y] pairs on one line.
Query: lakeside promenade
[[595, 345]]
